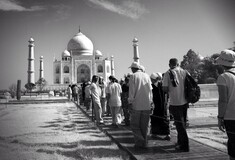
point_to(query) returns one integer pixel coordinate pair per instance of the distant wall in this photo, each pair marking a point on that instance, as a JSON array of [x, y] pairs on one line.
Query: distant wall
[[209, 91]]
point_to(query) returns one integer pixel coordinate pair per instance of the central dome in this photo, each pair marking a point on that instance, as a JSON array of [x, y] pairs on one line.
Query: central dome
[[80, 45]]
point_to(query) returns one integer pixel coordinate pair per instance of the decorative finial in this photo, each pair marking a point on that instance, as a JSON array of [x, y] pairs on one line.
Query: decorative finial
[[79, 29], [135, 40]]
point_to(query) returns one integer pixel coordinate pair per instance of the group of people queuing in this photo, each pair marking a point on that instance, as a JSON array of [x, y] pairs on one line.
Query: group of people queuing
[[142, 102], [166, 95], [107, 100], [73, 93]]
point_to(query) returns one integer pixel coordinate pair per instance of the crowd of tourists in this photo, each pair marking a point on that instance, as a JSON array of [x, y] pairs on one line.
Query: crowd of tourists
[[142, 102]]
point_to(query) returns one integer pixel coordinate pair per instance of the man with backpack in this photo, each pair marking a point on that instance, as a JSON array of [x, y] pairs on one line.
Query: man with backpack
[[173, 84]]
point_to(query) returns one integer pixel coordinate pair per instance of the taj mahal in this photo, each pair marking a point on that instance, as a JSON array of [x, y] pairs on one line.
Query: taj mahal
[[78, 63]]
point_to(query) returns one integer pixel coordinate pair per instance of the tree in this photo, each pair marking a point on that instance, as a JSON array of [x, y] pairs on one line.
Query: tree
[[30, 87], [41, 83], [192, 63], [208, 71], [12, 90]]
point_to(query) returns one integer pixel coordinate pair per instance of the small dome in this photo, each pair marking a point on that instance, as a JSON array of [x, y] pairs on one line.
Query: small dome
[[98, 53], [66, 53], [41, 57], [80, 45]]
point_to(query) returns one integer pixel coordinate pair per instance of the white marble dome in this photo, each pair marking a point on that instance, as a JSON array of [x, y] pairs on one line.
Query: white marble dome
[[65, 53], [80, 45]]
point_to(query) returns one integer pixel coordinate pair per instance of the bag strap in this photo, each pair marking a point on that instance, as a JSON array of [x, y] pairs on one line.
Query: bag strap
[[230, 72], [187, 73], [172, 77], [171, 74]]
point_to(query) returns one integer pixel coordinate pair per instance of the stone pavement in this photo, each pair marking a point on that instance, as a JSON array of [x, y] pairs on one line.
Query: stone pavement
[[162, 149]]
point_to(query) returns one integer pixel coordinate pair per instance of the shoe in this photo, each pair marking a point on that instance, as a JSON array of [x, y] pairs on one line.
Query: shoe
[[181, 149], [140, 147], [114, 125], [167, 138]]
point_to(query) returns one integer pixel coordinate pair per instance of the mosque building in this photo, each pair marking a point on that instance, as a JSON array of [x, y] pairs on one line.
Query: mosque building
[[79, 62]]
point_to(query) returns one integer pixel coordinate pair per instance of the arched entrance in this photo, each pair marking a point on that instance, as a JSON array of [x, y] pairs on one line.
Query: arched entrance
[[83, 73]]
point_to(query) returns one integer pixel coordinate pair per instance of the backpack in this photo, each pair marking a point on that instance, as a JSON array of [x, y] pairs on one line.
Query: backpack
[[191, 89]]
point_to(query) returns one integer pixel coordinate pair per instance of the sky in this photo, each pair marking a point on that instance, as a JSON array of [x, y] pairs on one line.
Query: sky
[[165, 29]]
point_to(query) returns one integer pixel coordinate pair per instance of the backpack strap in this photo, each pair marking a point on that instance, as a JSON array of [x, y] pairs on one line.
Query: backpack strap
[[187, 73], [230, 72], [171, 74], [174, 82]]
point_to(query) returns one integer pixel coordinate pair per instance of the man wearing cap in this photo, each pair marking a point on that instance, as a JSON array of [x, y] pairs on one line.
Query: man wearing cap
[[226, 103], [140, 99]]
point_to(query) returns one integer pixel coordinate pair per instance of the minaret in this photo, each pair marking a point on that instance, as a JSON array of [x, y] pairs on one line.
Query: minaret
[[41, 69], [72, 67], [112, 66], [136, 50], [31, 74]]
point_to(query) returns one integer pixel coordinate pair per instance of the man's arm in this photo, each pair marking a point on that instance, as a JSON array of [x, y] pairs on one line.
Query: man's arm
[[223, 100], [222, 105], [131, 90]]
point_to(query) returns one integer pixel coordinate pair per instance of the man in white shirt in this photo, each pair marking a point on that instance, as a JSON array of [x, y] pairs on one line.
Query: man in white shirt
[[173, 83], [140, 99], [95, 94]]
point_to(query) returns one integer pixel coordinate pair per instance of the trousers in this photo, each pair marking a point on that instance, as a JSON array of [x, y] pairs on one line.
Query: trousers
[[139, 123], [180, 114]]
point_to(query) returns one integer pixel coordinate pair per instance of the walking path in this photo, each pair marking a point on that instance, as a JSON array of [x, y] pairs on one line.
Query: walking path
[[201, 117], [162, 149]]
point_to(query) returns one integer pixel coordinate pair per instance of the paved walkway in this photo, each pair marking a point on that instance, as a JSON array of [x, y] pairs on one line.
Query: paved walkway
[[158, 148]]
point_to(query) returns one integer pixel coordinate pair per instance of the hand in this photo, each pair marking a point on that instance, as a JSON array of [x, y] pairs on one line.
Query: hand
[[130, 107], [152, 105], [221, 124]]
